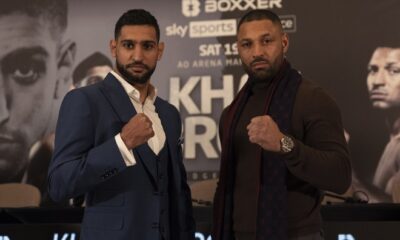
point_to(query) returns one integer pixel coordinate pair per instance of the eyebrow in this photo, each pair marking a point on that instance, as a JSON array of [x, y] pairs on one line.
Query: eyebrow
[[390, 64], [262, 36], [27, 51], [134, 41]]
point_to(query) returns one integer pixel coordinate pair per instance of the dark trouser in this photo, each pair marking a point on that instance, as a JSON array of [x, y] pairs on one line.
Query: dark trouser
[[252, 236]]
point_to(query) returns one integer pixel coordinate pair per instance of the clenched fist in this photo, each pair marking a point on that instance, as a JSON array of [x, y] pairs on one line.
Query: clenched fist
[[265, 132], [137, 131]]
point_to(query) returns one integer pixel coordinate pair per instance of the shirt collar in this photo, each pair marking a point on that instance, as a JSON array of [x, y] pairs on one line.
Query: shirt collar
[[132, 92]]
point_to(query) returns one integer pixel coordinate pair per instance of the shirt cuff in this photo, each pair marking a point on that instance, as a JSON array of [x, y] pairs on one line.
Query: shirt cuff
[[126, 153]]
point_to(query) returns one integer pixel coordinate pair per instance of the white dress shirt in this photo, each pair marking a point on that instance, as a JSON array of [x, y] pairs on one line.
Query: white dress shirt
[[157, 141]]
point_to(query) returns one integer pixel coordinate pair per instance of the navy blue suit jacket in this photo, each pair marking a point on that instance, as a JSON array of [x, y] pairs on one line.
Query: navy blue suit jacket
[[120, 202]]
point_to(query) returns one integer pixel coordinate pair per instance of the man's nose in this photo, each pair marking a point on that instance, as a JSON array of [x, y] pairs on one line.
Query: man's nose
[[379, 78], [4, 103], [257, 50], [137, 54]]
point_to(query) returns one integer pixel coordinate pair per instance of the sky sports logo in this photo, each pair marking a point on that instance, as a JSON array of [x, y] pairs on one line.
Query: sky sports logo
[[201, 29], [219, 28], [214, 28], [192, 8]]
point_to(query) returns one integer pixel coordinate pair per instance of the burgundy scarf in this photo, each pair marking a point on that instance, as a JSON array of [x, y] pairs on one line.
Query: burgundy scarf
[[272, 209]]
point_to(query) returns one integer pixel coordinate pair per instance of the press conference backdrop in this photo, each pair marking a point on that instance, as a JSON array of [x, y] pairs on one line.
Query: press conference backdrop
[[331, 43]]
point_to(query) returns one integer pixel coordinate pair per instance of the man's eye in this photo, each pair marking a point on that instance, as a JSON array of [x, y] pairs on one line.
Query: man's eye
[[246, 45], [372, 70], [393, 71], [266, 41], [89, 80], [148, 46], [25, 77], [128, 45], [25, 72]]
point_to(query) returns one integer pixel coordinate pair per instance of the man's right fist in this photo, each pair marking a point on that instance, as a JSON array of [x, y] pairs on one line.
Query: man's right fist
[[137, 131]]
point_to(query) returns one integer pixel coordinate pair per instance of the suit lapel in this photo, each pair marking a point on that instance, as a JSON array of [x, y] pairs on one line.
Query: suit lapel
[[144, 153], [118, 98], [166, 124], [122, 106], [172, 139]]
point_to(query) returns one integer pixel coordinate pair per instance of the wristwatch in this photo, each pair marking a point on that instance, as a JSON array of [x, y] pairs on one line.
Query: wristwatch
[[287, 144]]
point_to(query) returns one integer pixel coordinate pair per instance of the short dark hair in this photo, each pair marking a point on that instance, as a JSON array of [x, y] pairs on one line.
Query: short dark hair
[[95, 59], [55, 11], [136, 17], [260, 14]]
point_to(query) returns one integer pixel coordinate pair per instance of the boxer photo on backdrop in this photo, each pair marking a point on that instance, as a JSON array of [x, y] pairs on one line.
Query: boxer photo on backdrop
[[36, 66], [383, 83]]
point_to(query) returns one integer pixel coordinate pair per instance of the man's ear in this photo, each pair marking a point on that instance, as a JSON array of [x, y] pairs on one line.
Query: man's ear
[[285, 42], [161, 46], [65, 63], [113, 48]]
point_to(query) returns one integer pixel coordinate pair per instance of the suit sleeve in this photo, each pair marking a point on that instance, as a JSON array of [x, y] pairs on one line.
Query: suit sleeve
[[220, 131], [78, 163], [321, 158]]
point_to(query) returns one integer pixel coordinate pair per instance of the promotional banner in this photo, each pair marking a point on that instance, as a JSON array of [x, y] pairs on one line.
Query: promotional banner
[[48, 49]]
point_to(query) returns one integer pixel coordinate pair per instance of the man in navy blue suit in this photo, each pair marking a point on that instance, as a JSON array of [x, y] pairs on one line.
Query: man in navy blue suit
[[119, 145]]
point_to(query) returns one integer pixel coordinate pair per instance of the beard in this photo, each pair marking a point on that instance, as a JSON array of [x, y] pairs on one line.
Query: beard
[[132, 79], [264, 74]]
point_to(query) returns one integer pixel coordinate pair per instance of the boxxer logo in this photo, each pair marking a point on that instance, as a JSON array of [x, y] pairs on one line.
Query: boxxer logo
[[191, 8]]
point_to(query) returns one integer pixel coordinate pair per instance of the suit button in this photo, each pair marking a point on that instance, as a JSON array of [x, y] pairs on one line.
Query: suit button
[[156, 193]]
